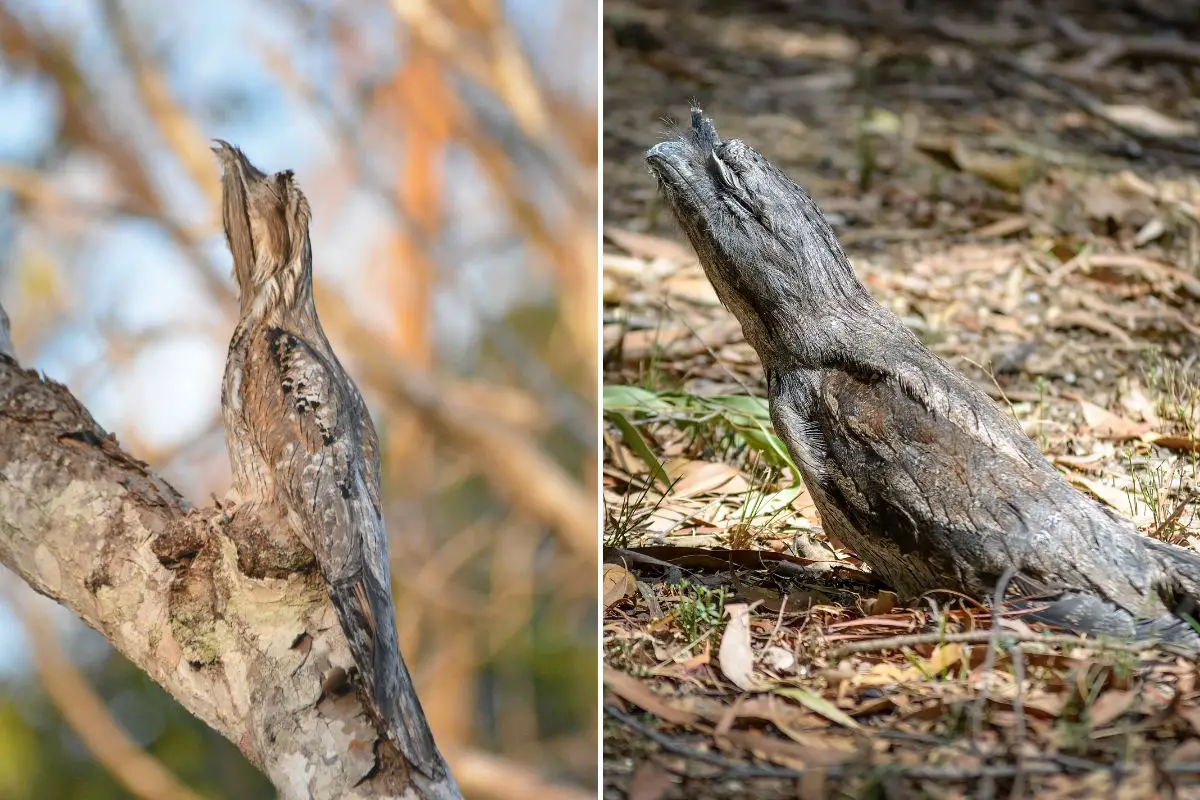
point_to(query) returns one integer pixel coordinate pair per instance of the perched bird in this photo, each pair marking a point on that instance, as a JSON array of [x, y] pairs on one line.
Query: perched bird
[[301, 443], [910, 465]]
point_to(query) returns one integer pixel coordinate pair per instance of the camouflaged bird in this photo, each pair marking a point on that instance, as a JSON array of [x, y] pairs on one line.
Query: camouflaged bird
[[301, 443], [909, 463]]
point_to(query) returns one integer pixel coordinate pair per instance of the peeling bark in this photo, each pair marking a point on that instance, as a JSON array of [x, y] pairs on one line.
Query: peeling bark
[[222, 610]]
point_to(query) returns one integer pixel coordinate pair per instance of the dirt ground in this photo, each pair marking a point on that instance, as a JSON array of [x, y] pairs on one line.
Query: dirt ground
[[1017, 183]]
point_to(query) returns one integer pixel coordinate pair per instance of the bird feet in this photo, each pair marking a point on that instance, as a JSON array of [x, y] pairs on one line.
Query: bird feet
[[226, 506]]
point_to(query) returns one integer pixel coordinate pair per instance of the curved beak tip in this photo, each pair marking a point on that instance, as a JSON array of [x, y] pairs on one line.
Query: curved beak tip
[[223, 150]]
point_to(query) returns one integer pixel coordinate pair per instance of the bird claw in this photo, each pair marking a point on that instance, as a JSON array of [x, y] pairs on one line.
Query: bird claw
[[226, 508]]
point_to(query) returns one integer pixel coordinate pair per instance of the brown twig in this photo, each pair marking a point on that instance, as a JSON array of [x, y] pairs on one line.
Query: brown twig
[[1108, 48], [734, 769], [993, 644], [1008, 638], [1018, 704]]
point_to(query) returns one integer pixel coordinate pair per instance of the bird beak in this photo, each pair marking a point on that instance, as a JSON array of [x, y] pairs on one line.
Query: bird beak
[[234, 163]]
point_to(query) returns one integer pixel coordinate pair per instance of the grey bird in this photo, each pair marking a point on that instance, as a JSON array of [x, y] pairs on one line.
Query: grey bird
[[910, 465], [301, 443]]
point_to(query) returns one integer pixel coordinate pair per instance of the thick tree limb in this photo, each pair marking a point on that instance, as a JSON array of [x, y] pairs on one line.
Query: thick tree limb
[[221, 613]]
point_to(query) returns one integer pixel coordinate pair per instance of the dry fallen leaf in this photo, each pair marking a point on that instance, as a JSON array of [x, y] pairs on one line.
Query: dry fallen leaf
[[779, 659], [618, 584], [1109, 426], [795, 600], [1135, 401], [692, 288], [1117, 498], [650, 782], [735, 656], [1183, 444], [944, 656], [1186, 753], [635, 691], [704, 477], [788, 753], [646, 246], [1004, 172], [1109, 706], [883, 603], [1148, 120], [814, 702]]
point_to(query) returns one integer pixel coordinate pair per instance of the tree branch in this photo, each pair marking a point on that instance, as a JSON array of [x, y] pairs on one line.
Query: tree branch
[[222, 613]]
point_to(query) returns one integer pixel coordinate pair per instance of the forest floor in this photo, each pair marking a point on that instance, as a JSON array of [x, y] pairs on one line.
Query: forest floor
[[1018, 189]]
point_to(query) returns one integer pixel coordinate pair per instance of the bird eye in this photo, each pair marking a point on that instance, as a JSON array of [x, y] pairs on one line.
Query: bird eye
[[720, 170]]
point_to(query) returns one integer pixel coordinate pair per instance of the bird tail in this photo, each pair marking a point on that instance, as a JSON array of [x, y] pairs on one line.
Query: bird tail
[[1092, 615], [364, 606], [1178, 583], [1171, 614]]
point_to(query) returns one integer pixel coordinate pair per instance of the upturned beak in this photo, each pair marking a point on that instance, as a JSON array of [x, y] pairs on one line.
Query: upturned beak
[[234, 162]]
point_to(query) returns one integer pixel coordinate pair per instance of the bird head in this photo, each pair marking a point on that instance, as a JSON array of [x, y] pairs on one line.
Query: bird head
[[764, 245], [266, 227]]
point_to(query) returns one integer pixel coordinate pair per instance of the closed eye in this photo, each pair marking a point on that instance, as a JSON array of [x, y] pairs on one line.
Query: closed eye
[[726, 177], [720, 171]]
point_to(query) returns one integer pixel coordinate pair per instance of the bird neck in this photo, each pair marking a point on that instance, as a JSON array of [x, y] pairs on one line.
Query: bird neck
[[283, 295]]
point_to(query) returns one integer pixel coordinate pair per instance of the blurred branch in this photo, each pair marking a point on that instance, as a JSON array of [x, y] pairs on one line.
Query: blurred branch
[[572, 262], [86, 125], [565, 407], [174, 125], [134, 769], [490, 137], [503, 69], [486, 777], [348, 139], [507, 74], [32, 187], [522, 473], [420, 180]]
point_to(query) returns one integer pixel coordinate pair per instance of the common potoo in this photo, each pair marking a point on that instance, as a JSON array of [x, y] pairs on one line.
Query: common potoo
[[301, 443]]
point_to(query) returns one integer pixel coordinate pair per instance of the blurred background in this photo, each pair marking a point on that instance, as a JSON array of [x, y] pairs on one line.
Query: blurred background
[[449, 154]]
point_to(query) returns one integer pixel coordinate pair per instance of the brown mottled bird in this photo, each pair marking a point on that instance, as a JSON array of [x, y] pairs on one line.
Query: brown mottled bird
[[301, 443], [909, 463]]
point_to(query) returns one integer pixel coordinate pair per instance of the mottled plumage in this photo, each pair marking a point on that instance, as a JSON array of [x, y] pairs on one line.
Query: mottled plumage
[[301, 443], [908, 462]]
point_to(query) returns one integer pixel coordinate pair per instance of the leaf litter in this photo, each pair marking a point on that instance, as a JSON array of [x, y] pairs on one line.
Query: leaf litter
[[747, 654]]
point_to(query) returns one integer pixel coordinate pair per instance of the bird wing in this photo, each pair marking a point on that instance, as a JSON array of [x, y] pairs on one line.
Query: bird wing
[[904, 474], [313, 426]]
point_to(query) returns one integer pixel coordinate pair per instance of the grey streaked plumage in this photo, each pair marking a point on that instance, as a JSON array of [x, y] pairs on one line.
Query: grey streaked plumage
[[301, 443], [909, 464]]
